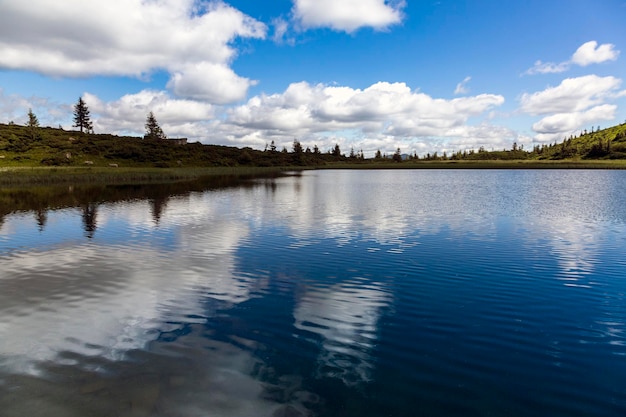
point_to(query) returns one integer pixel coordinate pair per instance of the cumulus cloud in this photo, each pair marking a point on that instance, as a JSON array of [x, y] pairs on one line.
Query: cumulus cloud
[[590, 53], [572, 104], [128, 114], [557, 125], [573, 94], [216, 83], [587, 54], [348, 15], [382, 116], [462, 88], [383, 107], [189, 39]]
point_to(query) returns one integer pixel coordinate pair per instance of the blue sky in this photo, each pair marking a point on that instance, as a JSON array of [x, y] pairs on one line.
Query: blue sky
[[370, 74]]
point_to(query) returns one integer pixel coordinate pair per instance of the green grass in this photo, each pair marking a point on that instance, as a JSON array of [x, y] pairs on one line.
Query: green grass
[[96, 175], [16, 176]]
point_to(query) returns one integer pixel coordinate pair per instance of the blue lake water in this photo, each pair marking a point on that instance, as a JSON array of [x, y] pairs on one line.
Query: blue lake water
[[323, 293]]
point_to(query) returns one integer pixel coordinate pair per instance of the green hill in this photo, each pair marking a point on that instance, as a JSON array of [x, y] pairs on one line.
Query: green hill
[[45, 146], [609, 143]]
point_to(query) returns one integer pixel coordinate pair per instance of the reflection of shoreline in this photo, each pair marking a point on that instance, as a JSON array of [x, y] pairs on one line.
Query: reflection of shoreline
[[346, 317], [42, 199]]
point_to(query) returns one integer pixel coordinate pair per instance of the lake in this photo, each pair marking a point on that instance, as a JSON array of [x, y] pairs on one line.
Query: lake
[[321, 293]]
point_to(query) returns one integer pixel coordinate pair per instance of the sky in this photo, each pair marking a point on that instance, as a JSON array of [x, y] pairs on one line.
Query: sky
[[419, 75]]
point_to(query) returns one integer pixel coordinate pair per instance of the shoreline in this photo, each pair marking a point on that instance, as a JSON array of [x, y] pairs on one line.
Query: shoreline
[[488, 164], [27, 176], [16, 176]]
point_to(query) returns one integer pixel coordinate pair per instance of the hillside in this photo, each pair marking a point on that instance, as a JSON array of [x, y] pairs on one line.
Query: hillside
[[609, 143], [23, 146]]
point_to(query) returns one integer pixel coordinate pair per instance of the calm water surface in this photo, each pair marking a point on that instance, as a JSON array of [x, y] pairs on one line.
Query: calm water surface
[[332, 293]]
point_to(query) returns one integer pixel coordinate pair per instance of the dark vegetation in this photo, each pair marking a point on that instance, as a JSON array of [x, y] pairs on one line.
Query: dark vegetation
[[46, 146]]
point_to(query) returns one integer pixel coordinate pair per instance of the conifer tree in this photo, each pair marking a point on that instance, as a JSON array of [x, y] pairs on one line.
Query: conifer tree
[[297, 147], [33, 124], [337, 151], [297, 152], [397, 156], [32, 119], [153, 130], [82, 119]]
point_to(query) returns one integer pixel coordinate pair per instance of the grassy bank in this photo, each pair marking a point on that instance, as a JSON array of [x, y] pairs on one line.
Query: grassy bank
[[100, 175], [96, 175]]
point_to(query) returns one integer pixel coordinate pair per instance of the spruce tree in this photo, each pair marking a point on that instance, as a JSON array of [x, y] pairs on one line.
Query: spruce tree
[[337, 151], [33, 125], [153, 130], [81, 116], [297, 147], [32, 119]]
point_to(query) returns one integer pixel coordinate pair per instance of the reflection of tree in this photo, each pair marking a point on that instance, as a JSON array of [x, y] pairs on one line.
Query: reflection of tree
[[42, 217], [89, 218], [157, 205], [271, 185]]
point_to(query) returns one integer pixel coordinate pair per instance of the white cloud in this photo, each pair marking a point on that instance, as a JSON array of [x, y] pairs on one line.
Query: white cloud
[[461, 88], [558, 125], [14, 108], [383, 107], [128, 114], [591, 53], [189, 39], [281, 30], [348, 15], [216, 83], [573, 94], [571, 105], [548, 68], [382, 116], [587, 54]]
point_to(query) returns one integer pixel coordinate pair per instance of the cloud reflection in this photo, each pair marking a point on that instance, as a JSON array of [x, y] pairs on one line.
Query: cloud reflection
[[346, 316], [106, 300]]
